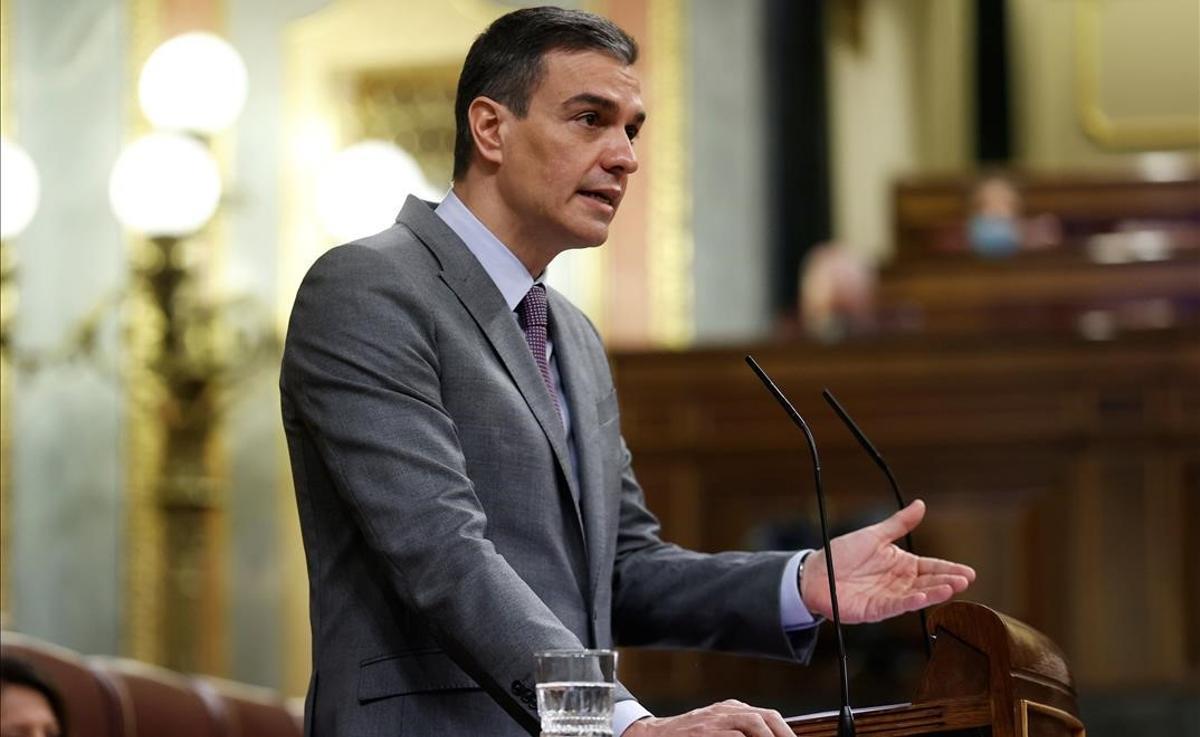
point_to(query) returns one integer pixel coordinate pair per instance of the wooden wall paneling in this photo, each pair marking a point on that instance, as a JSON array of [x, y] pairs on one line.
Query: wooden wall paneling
[[1166, 587], [1065, 471], [1117, 556], [670, 490], [688, 529], [1190, 467], [1084, 633]]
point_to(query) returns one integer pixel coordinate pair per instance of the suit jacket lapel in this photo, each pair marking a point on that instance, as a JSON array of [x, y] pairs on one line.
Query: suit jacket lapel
[[475, 289], [580, 389]]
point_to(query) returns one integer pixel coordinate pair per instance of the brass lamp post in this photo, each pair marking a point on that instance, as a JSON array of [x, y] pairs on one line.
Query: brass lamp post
[[166, 186], [190, 351], [183, 353], [181, 371]]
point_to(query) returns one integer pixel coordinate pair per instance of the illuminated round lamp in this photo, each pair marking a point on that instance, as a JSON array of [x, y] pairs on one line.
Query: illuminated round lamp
[[193, 82], [364, 186], [20, 189], [165, 185]]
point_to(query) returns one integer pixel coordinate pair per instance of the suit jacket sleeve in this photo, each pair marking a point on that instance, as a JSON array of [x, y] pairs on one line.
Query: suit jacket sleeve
[[361, 366], [666, 596]]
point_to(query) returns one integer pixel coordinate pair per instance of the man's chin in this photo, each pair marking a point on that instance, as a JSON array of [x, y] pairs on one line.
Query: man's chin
[[596, 243], [588, 237]]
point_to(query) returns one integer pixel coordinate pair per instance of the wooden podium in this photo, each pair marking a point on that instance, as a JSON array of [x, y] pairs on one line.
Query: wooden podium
[[989, 675]]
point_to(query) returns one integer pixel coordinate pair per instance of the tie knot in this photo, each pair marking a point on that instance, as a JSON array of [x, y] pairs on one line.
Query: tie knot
[[532, 309]]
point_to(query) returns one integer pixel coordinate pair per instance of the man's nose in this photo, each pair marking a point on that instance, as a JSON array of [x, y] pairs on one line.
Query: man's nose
[[619, 156]]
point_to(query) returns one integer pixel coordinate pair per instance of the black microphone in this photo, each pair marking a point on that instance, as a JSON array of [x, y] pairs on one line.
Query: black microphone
[[845, 716], [876, 456]]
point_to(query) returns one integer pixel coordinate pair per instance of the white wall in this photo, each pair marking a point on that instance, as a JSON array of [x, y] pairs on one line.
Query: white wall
[[67, 76], [873, 122], [729, 166]]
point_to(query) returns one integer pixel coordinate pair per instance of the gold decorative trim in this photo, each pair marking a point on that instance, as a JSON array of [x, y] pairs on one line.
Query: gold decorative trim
[[669, 236], [144, 571], [414, 108], [1150, 132]]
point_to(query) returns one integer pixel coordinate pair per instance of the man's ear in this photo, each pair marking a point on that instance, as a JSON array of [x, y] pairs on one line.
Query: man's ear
[[486, 117]]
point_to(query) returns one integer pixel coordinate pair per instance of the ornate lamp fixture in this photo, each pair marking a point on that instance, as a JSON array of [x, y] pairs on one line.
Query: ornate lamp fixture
[[165, 185], [20, 191], [361, 185], [185, 351], [194, 82]]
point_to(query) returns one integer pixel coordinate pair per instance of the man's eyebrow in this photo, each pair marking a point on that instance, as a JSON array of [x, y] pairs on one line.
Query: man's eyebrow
[[609, 106]]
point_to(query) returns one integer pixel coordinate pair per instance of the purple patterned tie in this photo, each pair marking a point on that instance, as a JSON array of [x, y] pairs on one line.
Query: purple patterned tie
[[534, 316]]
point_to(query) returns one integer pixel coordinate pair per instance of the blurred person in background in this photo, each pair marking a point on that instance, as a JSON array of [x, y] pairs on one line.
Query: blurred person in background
[[29, 705], [997, 228], [837, 293]]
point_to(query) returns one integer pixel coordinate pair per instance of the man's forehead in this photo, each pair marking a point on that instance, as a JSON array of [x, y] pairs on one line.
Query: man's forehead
[[570, 74]]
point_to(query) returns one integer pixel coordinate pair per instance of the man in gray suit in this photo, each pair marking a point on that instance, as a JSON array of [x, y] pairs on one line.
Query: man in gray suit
[[464, 493]]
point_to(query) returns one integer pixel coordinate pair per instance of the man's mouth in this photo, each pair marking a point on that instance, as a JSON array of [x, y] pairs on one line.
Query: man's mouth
[[608, 197]]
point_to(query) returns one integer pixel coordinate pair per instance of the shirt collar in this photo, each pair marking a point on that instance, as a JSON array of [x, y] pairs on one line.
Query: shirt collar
[[505, 269]]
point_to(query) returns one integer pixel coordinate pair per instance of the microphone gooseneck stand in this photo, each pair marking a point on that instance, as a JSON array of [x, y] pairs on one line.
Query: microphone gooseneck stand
[[876, 456], [845, 715]]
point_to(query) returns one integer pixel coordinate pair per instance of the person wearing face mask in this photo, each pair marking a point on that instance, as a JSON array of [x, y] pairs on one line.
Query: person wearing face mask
[[997, 228]]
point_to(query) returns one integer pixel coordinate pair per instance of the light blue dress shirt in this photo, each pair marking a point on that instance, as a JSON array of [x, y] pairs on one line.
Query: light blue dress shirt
[[513, 280]]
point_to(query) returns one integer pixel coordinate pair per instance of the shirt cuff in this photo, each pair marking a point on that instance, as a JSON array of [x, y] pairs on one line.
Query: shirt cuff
[[626, 713], [792, 612]]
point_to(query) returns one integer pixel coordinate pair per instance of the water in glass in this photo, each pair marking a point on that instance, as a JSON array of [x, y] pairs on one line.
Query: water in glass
[[575, 709]]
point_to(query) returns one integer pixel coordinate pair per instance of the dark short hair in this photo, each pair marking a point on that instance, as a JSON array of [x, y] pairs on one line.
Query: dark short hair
[[506, 62], [17, 672]]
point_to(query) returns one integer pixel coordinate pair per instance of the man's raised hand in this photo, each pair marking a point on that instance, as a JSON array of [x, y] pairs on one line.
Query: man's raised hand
[[875, 578]]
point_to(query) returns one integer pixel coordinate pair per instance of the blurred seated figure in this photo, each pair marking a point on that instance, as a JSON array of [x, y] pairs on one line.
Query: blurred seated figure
[[29, 705], [996, 228], [837, 293]]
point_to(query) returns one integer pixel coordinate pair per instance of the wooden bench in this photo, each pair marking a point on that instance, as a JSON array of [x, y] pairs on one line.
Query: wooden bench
[[117, 697]]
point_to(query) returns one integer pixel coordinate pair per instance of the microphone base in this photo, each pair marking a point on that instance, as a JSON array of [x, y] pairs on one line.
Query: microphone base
[[846, 723]]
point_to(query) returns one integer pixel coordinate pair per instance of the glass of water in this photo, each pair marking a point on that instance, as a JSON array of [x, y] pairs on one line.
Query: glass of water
[[575, 692]]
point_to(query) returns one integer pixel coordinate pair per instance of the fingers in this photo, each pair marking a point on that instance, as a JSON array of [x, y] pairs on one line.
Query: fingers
[[937, 595], [956, 582], [927, 591], [727, 719], [911, 602], [756, 718], [903, 522], [937, 566], [931, 594]]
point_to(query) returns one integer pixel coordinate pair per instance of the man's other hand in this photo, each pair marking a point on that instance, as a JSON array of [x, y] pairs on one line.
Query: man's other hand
[[875, 578], [726, 719]]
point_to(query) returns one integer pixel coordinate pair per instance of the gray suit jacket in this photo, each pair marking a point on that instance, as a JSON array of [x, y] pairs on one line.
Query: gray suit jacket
[[437, 501]]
